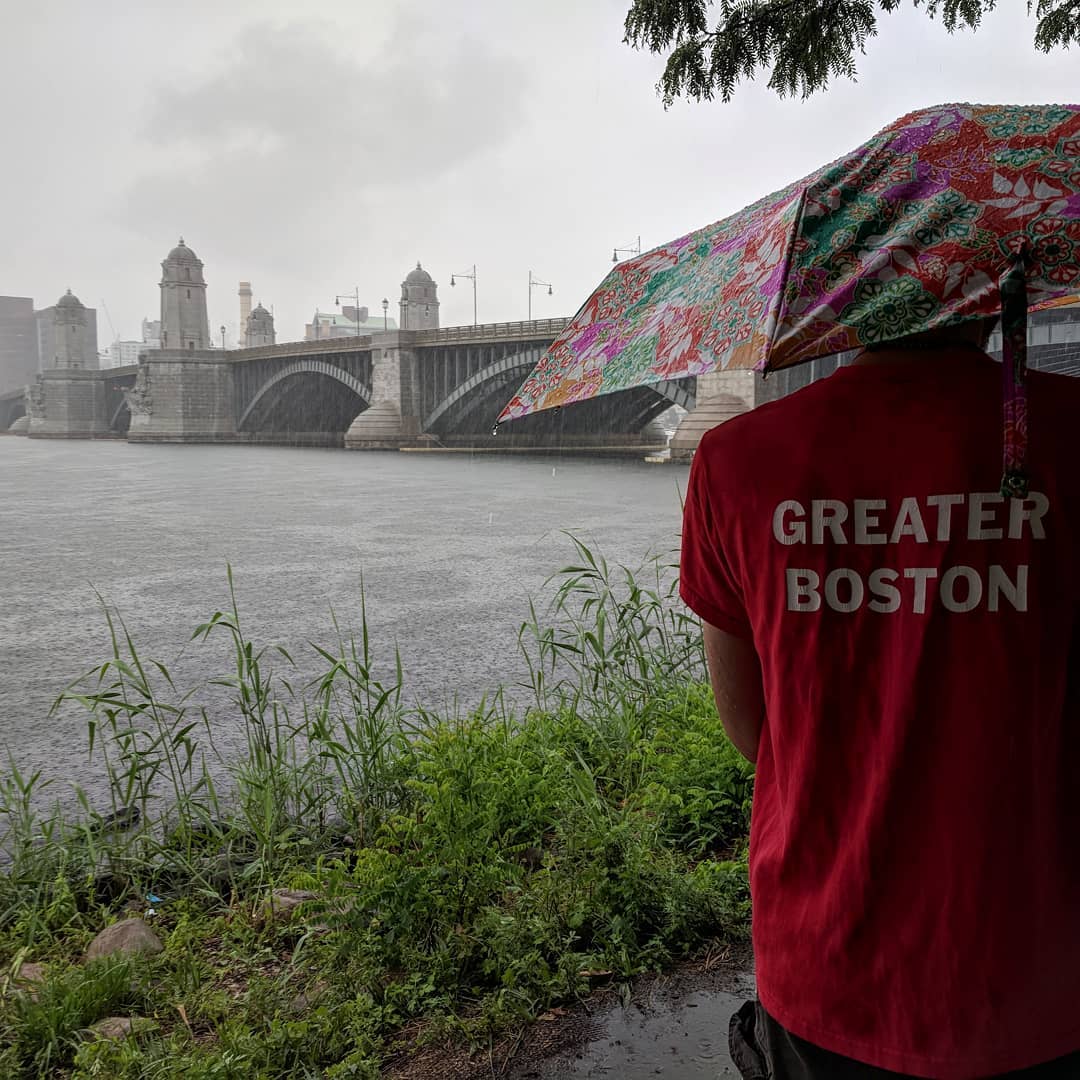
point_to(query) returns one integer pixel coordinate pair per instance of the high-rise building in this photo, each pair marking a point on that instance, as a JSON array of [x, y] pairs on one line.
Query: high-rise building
[[18, 343], [184, 324], [122, 353], [419, 301], [67, 335], [125, 353]]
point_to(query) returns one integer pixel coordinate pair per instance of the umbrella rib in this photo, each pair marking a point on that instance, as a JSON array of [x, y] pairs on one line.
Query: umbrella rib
[[788, 257]]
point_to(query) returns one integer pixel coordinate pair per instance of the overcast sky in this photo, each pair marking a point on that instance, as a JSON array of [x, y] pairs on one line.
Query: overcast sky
[[314, 148]]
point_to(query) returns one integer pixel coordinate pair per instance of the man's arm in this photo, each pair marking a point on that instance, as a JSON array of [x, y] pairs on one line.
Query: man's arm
[[735, 673]]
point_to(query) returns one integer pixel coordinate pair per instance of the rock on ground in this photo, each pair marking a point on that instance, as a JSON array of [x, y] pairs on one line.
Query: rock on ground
[[284, 902], [122, 1027], [28, 979], [127, 937]]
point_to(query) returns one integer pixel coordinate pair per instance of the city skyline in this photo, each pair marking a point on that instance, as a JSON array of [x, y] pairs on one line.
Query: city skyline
[[386, 146]]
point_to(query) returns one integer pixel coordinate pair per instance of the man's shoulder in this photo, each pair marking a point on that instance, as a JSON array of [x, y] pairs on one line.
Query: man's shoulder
[[768, 423], [1055, 387]]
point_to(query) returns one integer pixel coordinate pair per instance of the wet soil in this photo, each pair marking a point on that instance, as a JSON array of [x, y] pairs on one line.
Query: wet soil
[[672, 1024]]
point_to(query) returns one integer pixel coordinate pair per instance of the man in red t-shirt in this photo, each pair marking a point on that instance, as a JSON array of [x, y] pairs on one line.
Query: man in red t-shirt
[[897, 647]]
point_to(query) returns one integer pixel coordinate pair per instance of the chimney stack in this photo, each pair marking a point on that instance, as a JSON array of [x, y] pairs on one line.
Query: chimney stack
[[245, 310]]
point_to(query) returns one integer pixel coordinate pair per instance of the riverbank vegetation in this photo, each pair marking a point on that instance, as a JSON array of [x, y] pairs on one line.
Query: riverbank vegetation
[[368, 875]]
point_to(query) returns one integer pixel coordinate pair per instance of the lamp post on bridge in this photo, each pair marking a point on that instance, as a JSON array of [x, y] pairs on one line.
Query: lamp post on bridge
[[469, 277], [385, 308], [355, 297], [635, 250], [223, 337], [535, 282]]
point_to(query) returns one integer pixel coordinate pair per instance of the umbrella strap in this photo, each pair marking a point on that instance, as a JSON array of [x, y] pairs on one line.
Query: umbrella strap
[[1014, 308]]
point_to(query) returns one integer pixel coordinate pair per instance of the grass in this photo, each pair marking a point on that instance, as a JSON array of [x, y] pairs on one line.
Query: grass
[[470, 870]]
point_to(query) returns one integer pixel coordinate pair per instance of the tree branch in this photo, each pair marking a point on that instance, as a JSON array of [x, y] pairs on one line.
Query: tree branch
[[803, 43]]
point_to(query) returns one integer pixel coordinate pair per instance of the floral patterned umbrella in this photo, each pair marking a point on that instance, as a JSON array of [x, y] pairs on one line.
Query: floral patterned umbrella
[[932, 222]]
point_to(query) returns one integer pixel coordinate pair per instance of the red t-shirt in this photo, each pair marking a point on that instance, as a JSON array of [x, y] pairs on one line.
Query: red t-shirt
[[915, 837]]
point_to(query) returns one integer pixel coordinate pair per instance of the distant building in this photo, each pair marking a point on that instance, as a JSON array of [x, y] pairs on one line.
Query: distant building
[[67, 335], [346, 323], [259, 328], [184, 324], [122, 353], [419, 304], [151, 333], [244, 292], [18, 343]]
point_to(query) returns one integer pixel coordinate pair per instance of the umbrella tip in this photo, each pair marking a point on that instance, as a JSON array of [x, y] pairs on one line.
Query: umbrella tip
[[1015, 484]]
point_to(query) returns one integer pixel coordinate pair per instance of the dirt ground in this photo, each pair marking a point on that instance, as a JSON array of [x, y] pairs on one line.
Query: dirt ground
[[672, 1023]]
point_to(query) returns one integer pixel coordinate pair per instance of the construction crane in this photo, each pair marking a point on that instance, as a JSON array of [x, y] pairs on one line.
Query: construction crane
[[115, 335]]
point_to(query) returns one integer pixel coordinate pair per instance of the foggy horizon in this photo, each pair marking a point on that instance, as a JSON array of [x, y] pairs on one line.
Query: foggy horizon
[[318, 157]]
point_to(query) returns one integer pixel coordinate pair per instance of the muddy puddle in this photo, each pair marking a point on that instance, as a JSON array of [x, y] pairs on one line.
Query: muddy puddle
[[667, 1029], [672, 1025]]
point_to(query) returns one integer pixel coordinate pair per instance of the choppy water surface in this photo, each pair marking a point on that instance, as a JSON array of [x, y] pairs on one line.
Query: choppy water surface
[[449, 548]]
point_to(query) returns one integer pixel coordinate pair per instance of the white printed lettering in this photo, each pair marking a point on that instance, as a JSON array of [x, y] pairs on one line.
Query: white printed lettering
[[920, 575], [973, 589], [1016, 592], [802, 590], [828, 514], [909, 522], [1032, 510], [789, 532], [979, 516], [944, 505], [854, 590], [886, 595], [866, 517]]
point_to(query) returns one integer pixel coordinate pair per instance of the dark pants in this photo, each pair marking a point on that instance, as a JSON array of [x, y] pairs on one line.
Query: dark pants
[[763, 1050]]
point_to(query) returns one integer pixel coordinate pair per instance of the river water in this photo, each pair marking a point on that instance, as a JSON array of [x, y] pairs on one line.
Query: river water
[[449, 547]]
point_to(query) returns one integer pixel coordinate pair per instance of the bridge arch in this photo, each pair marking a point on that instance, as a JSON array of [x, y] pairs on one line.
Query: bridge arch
[[501, 371], [304, 367], [467, 395]]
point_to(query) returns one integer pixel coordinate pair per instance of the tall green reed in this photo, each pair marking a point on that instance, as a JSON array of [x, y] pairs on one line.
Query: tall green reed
[[332, 754]]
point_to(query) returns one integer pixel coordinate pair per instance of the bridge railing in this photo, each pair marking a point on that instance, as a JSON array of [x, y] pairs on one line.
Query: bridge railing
[[296, 348], [526, 328]]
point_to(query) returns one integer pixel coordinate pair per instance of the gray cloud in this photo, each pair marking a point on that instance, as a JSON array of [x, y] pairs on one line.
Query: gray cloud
[[317, 149], [291, 127]]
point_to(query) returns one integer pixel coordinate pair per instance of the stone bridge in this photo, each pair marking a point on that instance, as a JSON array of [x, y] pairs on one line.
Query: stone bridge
[[401, 389], [379, 391]]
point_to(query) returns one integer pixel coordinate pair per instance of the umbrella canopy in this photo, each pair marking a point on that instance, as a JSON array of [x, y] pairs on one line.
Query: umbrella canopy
[[914, 230]]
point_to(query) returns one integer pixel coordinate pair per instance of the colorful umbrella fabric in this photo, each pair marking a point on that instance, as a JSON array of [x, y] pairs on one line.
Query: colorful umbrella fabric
[[913, 231]]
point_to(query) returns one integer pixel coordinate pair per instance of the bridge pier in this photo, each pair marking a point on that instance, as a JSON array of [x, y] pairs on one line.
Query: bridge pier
[[183, 396], [720, 396], [393, 418], [68, 404]]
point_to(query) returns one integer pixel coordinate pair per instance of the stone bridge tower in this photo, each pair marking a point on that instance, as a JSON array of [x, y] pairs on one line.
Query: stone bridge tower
[[184, 324], [259, 328], [419, 301], [68, 336]]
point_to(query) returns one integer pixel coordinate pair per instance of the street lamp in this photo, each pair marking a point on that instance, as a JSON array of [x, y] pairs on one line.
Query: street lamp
[[355, 296], [534, 282], [469, 277], [635, 250], [223, 336], [385, 308]]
